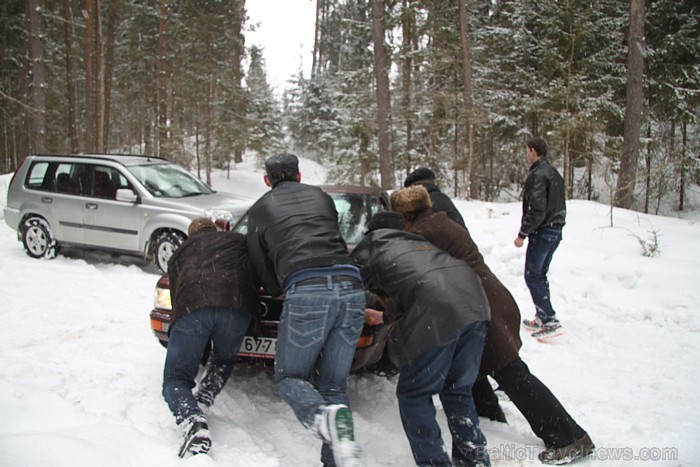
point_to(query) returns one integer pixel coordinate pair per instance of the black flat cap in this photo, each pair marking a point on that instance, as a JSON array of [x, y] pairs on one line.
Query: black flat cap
[[419, 175], [281, 167], [386, 220]]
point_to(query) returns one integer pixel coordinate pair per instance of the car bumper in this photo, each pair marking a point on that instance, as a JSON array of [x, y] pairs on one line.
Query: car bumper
[[11, 217], [370, 346]]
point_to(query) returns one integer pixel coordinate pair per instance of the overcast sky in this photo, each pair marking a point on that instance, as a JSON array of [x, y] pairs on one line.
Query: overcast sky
[[285, 30]]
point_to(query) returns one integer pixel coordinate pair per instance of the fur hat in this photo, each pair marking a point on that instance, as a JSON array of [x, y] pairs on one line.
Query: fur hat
[[281, 167], [200, 224], [411, 200], [386, 220], [419, 175]]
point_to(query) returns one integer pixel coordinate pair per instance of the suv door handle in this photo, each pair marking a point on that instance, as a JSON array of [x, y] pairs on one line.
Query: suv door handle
[[92, 206], [46, 199]]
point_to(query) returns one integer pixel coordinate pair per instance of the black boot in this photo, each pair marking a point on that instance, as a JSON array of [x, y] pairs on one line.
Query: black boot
[[486, 401]]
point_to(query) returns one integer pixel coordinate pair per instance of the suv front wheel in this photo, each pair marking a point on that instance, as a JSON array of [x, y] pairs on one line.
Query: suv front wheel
[[38, 239], [165, 245]]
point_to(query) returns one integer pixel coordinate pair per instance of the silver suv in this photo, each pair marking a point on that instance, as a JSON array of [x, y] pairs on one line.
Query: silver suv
[[133, 204]]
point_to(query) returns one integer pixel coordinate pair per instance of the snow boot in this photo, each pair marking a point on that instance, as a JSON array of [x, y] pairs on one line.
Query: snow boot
[[196, 436], [212, 383]]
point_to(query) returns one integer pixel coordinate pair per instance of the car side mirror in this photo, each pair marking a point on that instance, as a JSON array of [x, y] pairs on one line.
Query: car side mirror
[[127, 195]]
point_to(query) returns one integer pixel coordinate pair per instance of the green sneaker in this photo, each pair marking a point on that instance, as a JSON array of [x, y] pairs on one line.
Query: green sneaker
[[337, 429]]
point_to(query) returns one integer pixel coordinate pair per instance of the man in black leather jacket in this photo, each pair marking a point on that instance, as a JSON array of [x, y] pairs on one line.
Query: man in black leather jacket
[[544, 216], [438, 314], [296, 248]]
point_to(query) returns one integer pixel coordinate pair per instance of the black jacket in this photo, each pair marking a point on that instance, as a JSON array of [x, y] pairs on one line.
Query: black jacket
[[292, 227], [211, 269], [544, 201], [430, 295], [443, 203]]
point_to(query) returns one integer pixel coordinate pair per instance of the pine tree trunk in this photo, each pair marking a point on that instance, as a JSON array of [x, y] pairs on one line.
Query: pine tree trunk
[[163, 149], [238, 54], [647, 178], [684, 144], [109, 70], [89, 77], [473, 189], [70, 78], [38, 83], [408, 39], [633, 112], [386, 163], [100, 81], [317, 32], [208, 132]]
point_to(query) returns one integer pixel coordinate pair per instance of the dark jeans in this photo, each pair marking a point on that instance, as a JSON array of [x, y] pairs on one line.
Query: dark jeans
[[541, 245], [448, 370], [318, 333], [189, 336], [545, 414]]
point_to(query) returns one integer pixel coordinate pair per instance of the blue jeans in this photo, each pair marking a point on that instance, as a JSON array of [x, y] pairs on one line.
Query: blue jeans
[[541, 246], [448, 370], [318, 332], [189, 336]]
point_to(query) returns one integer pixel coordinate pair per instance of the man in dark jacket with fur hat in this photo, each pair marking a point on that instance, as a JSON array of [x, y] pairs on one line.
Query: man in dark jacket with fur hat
[[438, 315], [441, 202], [213, 298], [563, 437], [485, 398]]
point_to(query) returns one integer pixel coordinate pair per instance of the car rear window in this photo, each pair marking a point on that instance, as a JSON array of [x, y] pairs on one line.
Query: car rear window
[[354, 213]]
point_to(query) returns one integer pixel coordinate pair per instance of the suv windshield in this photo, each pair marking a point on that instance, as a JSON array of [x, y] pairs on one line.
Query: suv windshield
[[169, 181]]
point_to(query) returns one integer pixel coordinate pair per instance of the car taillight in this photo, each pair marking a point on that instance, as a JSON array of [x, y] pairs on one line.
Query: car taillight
[[157, 325], [161, 299], [19, 166]]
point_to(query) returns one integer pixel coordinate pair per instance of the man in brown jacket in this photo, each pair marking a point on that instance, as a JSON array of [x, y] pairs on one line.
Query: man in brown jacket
[[213, 299], [564, 439]]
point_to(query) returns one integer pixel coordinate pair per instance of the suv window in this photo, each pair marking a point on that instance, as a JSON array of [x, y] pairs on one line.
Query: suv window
[[65, 182], [37, 174]]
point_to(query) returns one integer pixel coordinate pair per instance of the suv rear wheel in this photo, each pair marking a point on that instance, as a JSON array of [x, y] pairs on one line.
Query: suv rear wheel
[[165, 245], [38, 239]]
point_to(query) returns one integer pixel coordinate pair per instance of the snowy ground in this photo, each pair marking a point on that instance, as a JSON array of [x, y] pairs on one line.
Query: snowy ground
[[80, 371]]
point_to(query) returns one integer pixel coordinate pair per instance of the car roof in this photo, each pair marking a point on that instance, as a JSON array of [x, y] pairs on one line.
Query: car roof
[[355, 189], [124, 159]]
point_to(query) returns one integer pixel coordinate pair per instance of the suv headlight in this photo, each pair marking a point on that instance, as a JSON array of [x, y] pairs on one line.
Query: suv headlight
[[220, 214], [161, 299]]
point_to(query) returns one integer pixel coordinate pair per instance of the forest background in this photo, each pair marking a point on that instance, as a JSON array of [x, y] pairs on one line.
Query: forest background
[[612, 85]]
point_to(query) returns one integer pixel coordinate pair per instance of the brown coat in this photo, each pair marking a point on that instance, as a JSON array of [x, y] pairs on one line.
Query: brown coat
[[503, 337]]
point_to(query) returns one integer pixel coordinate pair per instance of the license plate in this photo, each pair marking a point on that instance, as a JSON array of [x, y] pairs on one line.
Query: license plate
[[259, 347]]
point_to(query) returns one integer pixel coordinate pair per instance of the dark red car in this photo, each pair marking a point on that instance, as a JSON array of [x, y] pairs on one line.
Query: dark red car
[[355, 206]]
